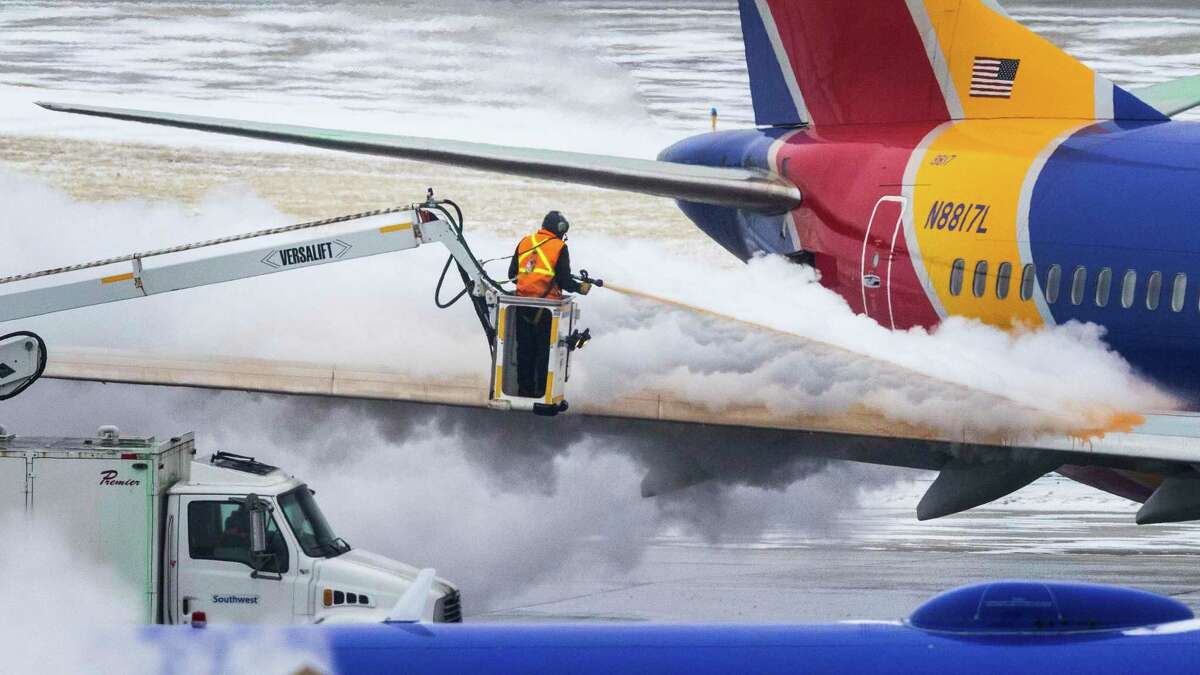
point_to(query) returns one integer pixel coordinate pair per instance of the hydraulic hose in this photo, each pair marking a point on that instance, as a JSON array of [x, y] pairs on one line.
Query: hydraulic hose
[[437, 292], [481, 309]]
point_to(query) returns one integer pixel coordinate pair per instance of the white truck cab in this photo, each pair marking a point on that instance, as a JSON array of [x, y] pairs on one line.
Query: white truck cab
[[223, 537]]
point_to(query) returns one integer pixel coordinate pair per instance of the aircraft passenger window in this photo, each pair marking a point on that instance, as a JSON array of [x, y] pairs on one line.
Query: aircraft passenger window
[[1178, 292], [1153, 290], [1003, 276], [979, 285], [956, 276], [1028, 275], [1103, 287], [1053, 278], [1128, 287], [1078, 282]]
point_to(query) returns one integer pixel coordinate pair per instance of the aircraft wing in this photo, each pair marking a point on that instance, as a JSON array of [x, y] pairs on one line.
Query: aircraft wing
[[1173, 97], [1152, 464], [723, 186]]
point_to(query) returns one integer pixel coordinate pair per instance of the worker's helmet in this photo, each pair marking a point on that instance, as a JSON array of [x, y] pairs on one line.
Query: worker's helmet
[[556, 222]]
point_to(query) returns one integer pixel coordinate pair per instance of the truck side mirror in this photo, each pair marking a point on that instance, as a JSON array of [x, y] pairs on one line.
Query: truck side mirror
[[258, 510], [258, 530]]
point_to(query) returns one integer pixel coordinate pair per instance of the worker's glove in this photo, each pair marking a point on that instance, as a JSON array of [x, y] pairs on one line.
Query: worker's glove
[[585, 288]]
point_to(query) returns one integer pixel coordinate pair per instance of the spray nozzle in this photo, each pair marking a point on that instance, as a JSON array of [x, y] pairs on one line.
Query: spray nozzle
[[585, 278]]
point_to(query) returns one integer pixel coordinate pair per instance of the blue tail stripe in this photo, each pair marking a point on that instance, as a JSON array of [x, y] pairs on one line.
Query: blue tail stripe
[[773, 104], [1126, 106]]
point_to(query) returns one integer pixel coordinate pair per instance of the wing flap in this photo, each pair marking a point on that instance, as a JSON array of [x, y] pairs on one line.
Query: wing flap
[[751, 189]]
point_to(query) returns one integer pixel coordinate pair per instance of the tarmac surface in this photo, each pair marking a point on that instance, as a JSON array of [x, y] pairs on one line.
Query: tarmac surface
[[880, 563]]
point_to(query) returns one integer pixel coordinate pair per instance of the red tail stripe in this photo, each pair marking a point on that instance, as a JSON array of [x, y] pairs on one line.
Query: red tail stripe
[[859, 61]]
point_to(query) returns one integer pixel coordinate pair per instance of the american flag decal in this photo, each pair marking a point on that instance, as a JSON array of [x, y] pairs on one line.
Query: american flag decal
[[993, 78]]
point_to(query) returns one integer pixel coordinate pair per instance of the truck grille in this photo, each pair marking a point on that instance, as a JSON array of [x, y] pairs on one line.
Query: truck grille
[[449, 608]]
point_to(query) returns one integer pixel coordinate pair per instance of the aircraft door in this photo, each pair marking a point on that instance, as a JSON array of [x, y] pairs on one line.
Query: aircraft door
[[215, 565], [878, 253]]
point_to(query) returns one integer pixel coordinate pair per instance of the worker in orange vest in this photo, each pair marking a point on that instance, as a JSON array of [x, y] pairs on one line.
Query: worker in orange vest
[[541, 267]]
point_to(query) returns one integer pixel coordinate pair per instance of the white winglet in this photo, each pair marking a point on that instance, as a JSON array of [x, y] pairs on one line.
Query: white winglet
[[411, 606]]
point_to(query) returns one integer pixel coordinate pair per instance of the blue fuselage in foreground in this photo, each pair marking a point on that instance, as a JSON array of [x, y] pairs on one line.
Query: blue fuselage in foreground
[[1009, 626], [648, 648]]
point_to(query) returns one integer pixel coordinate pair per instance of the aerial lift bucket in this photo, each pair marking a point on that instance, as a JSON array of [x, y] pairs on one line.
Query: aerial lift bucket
[[532, 356]]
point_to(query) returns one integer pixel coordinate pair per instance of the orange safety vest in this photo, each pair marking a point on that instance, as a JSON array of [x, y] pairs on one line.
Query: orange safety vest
[[537, 255]]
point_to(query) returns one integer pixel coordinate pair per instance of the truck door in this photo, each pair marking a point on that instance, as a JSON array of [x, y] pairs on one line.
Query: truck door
[[214, 565], [879, 250]]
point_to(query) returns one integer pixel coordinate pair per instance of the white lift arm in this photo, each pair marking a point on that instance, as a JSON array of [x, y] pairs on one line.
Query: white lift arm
[[387, 233], [513, 384]]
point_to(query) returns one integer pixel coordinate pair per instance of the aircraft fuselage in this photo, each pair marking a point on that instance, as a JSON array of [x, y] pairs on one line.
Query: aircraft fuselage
[[1013, 222]]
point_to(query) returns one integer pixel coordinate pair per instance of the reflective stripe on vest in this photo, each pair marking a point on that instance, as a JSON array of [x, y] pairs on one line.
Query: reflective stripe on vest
[[537, 256]]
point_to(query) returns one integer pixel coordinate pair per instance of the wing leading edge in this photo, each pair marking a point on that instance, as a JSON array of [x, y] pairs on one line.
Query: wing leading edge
[[751, 189], [1154, 465]]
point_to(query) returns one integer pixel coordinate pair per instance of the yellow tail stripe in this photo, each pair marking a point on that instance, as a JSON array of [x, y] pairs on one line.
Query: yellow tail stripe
[[967, 206], [1049, 82]]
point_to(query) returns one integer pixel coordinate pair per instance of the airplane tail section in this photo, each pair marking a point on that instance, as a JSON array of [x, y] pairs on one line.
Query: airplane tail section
[[830, 62]]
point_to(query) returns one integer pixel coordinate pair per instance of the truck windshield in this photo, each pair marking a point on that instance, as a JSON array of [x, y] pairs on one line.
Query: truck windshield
[[309, 524]]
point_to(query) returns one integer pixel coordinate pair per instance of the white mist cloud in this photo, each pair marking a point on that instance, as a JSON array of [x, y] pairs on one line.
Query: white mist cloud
[[963, 378], [64, 611], [494, 503], [492, 499]]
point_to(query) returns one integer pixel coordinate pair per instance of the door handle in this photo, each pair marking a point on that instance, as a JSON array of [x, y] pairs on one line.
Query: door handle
[[187, 605], [872, 281]]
